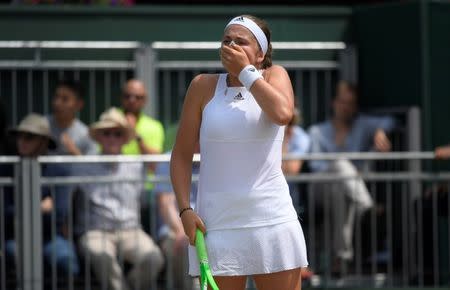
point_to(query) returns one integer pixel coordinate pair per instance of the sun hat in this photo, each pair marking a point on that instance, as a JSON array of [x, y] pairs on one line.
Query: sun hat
[[38, 125], [111, 118]]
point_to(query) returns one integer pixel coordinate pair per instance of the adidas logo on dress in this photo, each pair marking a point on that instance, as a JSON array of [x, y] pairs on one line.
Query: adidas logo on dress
[[238, 97]]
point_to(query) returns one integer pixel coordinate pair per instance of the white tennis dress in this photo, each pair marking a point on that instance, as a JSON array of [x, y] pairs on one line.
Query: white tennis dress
[[243, 198]]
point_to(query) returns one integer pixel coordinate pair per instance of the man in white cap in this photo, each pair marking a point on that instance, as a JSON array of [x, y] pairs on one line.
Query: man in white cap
[[108, 219], [34, 139]]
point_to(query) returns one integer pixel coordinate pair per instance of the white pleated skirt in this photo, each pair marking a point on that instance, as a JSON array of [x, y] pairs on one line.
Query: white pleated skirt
[[249, 251]]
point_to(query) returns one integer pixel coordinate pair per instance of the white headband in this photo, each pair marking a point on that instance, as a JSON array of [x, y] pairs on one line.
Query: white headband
[[254, 29]]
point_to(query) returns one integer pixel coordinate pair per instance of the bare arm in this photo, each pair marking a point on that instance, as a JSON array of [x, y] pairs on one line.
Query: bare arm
[[289, 167], [187, 138], [70, 145], [274, 93], [381, 141], [145, 149], [442, 152]]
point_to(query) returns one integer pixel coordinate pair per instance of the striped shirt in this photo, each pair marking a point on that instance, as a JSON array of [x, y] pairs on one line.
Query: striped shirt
[[102, 206]]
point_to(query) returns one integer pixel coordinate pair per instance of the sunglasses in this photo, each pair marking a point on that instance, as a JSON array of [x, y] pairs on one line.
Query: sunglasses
[[27, 136], [112, 133], [133, 96]]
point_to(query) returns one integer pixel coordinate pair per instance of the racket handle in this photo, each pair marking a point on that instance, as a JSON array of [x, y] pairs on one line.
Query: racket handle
[[200, 246]]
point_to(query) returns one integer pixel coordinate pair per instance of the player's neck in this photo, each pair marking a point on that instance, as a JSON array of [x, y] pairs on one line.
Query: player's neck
[[233, 81]]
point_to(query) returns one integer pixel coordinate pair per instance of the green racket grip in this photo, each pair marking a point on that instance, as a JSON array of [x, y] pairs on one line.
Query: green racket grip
[[201, 247], [205, 272]]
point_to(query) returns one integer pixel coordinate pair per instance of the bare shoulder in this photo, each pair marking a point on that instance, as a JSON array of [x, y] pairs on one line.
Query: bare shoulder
[[204, 82], [275, 72], [202, 88], [278, 77]]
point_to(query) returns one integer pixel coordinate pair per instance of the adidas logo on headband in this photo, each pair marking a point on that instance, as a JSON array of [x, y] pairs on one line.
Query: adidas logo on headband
[[254, 29]]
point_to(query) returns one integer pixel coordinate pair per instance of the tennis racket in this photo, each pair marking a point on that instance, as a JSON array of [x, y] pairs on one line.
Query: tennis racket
[[205, 271]]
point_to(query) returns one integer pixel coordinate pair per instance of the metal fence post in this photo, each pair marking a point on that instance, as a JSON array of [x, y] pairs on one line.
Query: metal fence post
[[36, 223], [348, 60], [28, 226], [414, 145], [22, 226], [145, 70], [415, 187]]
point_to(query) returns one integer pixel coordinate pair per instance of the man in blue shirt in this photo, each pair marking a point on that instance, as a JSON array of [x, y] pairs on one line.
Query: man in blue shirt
[[72, 136], [347, 131], [296, 141]]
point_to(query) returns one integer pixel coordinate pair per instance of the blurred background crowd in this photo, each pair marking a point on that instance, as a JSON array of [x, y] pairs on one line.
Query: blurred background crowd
[[369, 77]]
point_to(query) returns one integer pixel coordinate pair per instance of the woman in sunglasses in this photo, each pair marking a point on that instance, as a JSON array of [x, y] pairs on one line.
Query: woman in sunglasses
[[243, 202]]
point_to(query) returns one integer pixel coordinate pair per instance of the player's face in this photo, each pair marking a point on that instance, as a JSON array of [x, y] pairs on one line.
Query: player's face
[[241, 36]]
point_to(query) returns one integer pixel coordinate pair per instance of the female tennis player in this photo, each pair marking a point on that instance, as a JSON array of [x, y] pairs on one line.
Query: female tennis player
[[243, 202]]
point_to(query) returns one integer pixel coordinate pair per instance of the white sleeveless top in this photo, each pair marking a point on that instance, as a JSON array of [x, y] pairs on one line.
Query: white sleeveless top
[[241, 183]]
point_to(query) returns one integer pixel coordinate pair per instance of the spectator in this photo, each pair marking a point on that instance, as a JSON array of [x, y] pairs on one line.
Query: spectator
[[347, 131], [296, 141], [34, 139], [173, 240], [71, 134], [108, 218], [149, 133]]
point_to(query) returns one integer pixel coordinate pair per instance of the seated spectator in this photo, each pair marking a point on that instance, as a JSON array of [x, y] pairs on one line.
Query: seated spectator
[[347, 131], [173, 240], [296, 141], [71, 134], [149, 133], [34, 139], [108, 215]]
